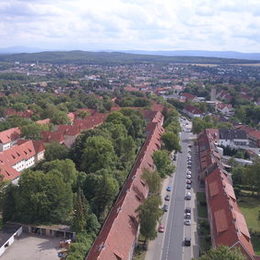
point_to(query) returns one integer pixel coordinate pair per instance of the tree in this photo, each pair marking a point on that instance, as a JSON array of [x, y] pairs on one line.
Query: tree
[[56, 151], [59, 118], [171, 141], [153, 181], [163, 163], [65, 168], [149, 213], [98, 154], [33, 131], [252, 175], [118, 117], [105, 193], [223, 252], [80, 212], [43, 198]]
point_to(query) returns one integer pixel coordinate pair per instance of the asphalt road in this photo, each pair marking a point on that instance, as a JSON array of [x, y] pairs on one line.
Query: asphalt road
[[173, 241], [169, 245]]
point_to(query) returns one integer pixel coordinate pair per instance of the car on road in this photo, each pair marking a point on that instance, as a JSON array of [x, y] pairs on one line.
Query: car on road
[[188, 181], [187, 210], [161, 228], [188, 186], [187, 222], [187, 241], [188, 176], [167, 197], [188, 196], [187, 216], [169, 188], [188, 172], [165, 208]]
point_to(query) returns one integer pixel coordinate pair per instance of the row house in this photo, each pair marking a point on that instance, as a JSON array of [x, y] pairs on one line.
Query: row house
[[8, 138], [192, 111], [227, 224], [23, 155], [232, 138], [118, 235]]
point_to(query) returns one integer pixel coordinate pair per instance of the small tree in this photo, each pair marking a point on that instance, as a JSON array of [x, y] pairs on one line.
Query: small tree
[[153, 181], [171, 141], [223, 252], [149, 213]]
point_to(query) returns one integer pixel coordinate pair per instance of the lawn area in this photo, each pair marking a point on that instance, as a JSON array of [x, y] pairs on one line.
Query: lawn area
[[250, 207], [140, 255], [256, 243], [202, 205]]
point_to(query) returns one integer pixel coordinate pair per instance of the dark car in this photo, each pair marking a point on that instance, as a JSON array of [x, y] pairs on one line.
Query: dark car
[[165, 208], [188, 181], [187, 210], [188, 186], [169, 188], [167, 197], [187, 241]]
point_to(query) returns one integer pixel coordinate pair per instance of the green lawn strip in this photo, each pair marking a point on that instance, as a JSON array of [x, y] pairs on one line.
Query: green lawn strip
[[202, 206], [256, 243], [250, 208]]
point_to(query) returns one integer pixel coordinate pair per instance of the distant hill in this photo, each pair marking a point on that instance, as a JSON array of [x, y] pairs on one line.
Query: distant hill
[[85, 57], [216, 54]]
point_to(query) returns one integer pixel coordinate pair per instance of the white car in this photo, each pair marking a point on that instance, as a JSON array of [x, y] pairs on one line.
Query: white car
[[188, 176], [187, 222]]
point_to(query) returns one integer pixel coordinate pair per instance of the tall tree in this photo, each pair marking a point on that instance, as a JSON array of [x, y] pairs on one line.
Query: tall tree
[[98, 154], [171, 141], [153, 181], [149, 213], [56, 151]]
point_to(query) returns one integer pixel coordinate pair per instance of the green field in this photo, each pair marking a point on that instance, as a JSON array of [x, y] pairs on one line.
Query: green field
[[250, 207]]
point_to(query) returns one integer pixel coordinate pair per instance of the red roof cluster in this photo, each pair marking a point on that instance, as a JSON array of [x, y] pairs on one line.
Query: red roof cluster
[[11, 112], [10, 135], [193, 110], [65, 132], [188, 96], [227, 224], [22, 151], [117, 237]]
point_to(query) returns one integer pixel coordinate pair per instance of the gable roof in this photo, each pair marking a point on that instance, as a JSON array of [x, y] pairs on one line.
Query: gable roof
[[10, 135]]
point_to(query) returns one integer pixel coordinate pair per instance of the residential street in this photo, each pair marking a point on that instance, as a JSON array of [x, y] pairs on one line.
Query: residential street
[[169, 245]]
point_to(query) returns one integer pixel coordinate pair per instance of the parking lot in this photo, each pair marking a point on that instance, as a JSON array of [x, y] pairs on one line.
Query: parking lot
[[31, 247]]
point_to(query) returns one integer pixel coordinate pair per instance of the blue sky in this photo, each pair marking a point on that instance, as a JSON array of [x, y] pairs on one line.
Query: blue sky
[[131, 24]]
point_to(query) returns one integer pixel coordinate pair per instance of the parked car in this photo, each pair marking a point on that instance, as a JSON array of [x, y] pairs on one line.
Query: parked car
[[188, 172], [165, 208], [161, 228], [169, 188], [187, 210], [188, 186], [187, 241], [188, 176], [188, 181], [187, 222], [167, 197], [187, 216], [188, 196]]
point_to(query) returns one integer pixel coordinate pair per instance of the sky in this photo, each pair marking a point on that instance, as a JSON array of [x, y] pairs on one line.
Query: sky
[[217, 25]]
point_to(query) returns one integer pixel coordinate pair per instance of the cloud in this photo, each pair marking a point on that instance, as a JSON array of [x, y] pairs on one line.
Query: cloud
[[126, 24]]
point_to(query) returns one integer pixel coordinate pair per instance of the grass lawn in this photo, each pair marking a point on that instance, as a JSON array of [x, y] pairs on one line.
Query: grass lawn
[[202, 207], [250, 207], [256, 244]]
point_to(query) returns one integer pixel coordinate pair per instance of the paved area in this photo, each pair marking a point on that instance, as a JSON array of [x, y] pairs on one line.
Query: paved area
[[169, 245], [30, 247]]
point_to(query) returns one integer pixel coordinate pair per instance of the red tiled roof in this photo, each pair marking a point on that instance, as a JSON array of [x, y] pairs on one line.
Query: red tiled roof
[[254, 134], [118, 234], [56, 136], [188, 96], [8, 172], [43, 121], [193, 110], [10, 135]]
